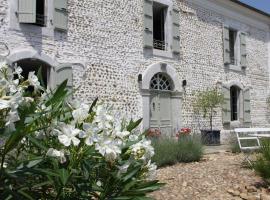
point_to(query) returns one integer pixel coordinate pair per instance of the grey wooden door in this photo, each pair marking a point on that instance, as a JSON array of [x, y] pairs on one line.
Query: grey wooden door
[[160, 112]]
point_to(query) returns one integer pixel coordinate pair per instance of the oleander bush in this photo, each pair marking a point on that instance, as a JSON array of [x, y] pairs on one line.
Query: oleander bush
[[170, 151], [53, 147]]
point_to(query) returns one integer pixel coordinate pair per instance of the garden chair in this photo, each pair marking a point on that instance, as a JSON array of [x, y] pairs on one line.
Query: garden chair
[[252, 142]]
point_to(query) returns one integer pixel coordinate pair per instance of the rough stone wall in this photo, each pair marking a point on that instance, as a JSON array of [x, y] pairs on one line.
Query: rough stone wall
[[105, 38]]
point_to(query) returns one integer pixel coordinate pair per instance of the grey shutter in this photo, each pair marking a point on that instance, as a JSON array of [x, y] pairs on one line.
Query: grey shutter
[[226, 108], [27, 11], [243, 49], [226, 45], [148, 24], [175, 31], [64, 72], [247, 115], [60, 14]]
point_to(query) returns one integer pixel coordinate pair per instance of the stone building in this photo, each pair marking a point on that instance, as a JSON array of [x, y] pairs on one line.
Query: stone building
[[147, 57]]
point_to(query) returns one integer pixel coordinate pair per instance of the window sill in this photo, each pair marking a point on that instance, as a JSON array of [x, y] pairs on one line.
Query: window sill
[[236, 68], [160, 53]]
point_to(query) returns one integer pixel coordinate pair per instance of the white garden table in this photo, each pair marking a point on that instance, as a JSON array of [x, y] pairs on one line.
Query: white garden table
[[252, 134]]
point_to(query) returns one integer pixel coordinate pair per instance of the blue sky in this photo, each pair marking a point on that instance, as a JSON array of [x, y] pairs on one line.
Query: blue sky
[[263, 5]]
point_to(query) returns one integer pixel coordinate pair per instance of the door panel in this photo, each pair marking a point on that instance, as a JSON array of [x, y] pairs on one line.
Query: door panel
[[154, 111], [160, 112]]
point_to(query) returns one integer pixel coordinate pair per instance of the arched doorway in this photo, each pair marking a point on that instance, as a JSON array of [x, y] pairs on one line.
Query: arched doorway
[[161, 98], [33, 65], [160, 103]]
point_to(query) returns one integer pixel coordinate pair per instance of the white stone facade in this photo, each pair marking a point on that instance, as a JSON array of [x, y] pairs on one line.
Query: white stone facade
[[104, 44]]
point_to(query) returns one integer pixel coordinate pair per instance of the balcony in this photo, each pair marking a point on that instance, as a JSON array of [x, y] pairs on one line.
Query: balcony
[[160, 45]]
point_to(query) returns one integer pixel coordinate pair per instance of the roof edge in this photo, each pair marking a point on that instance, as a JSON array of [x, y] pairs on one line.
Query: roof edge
[[251, 8]]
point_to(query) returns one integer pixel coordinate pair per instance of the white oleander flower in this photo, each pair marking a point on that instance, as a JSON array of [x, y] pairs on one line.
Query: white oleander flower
[[18, 70], [33, 80], [57, 154], [103, 117], [11, 118], [4, 104], [81, 113], [123, 168], [133, 137], [120, 133], [90, 134], [142, 150], [108, 149], [152, 171], [67, 135]]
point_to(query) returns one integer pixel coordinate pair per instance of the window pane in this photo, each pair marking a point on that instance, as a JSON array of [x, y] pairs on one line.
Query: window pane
[[159, 14]]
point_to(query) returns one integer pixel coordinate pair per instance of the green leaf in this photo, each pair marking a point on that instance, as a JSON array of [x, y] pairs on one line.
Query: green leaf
[[64, 176], [132, 125], [130, 174], [59, 94], [93, 105]]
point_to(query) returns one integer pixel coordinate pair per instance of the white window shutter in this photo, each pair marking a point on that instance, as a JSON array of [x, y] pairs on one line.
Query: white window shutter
[[175, 31], [60, 14], [247, 115], [226, 108], [226, 45], [243, 49], [27, 11], [62, 73], [148, 24]]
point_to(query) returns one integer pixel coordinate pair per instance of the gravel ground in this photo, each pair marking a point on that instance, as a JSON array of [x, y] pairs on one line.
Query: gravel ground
[[217, 176]]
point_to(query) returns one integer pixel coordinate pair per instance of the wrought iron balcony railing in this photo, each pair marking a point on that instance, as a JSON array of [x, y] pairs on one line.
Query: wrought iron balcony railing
[[161, 45]]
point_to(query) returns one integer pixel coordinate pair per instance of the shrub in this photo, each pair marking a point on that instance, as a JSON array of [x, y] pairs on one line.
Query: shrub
[[169, 151], [165, 151], [262, 164], [53, 147], [190, 149], [234, 146]]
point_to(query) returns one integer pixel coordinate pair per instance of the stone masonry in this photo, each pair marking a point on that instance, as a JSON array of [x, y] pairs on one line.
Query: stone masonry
[[104, 43]]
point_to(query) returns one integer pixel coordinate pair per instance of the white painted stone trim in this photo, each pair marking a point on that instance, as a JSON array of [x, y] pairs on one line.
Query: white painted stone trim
[[21, 54], [176, 94]]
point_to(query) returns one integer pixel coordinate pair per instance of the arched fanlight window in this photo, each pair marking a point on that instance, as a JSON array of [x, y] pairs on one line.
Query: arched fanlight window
[[161, 82]]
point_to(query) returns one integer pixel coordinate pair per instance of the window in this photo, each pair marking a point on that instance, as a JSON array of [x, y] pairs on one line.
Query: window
[[40, 13], [161, 82], [159, 18], [234, 92], [233, 43], [33, 65]]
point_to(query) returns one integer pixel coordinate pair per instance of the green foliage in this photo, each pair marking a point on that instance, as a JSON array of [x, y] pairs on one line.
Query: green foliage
[[165, 151], [169, 151], [206, 102], [234, 146], [86, 174], [190, 149], [262, 164]]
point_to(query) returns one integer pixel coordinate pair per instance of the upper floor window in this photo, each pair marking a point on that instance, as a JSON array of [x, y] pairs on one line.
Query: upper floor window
[[37, 12], [161, 28], [159, 18], [234, 43]]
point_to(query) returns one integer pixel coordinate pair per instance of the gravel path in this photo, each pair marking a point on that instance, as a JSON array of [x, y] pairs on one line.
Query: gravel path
[[216, 177]]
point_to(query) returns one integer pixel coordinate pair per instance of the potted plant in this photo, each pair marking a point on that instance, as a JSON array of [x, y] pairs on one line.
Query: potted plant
[[206, 103]]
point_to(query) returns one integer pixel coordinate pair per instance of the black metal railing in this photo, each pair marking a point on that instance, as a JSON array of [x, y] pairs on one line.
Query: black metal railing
[[161, 45]]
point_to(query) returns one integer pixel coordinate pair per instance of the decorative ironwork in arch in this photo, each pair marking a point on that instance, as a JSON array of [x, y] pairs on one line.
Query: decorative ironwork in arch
[[161, 81]]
